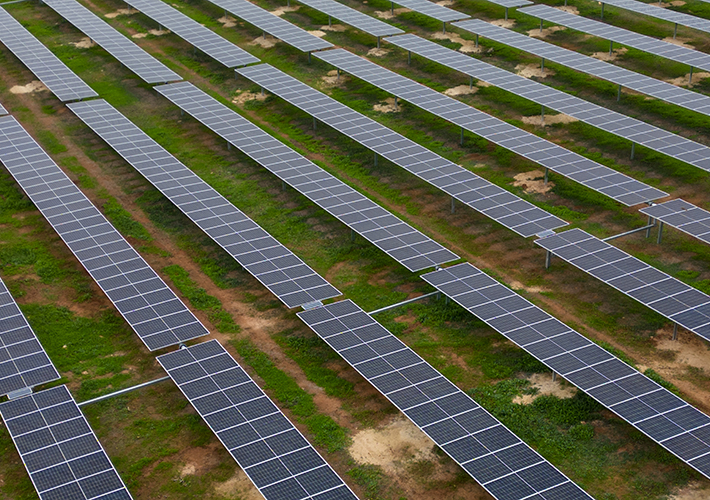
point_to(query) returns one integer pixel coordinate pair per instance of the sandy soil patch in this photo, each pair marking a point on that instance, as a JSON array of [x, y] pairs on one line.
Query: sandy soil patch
[[151, 32], [545, 387], [504, 23], [227, 21], [692, 353], [375, 52], [545, 32], [266, 42], [120, 12], [516, 285], [549, 119], [318, 33], [682, 42], [33, 86], [388, 106], [530, 70], [674, 3], [481, 83], [682, 81], [445, 3], [533, 182], [569, 8], [461, 90], [334, 27], [245, 96], [605, 56], [238, 486], [84, 43], [467, 46], [282, 10], [388, 14], [693, 491], [331, 79]]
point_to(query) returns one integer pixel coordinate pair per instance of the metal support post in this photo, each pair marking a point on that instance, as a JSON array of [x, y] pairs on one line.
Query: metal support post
[[660, 233], [540, 25], [444, 28], [470, 82], [611, 46], [409, 57], [309, 58], [506, 13], [263, 35], [542, 115], [338, 70], [462, 136], [352, 235], [453, 205], [182, 112], [675, 331], [602, 10], [675, 30], [329, 22], [392, 8], [314, 123], [229, 146], [650, 224], [262, 90], [378, 42], [633, 149], [375, 159], [548, 259], [283, 186], [554, 376], [396, 103], [447, 300], [542, 65], [690, 76], [618, 93], [547, 173], [476, 42]]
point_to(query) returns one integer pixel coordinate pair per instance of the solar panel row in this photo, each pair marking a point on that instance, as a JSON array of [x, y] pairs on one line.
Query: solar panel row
[[194, 33], [652, 409], [495, 202], [639, 132], [275, 266], [398, 239], [151, 308], [273, 25], [618, 186], [53, 73], [664, 91], [682, 215], [509, 4], [503, 464], [3, 111], [431, 9], [60, 451], [353, 17], [133, 57], [669, 297], [660, 13], [648, 44], [23, 361], [265, 444]]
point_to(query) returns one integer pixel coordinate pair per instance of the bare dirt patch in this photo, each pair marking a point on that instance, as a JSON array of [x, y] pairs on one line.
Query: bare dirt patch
[[467, 46], [530, 70], [682, 42], [516, 285], [238, 486], [504, 23], [33, 86], [227, 21], [549, 120], [682, 81], [318, 33], [389, 14], [388, 106], [331, 79], [445, 3], [569, 8], [533, 182], [120, 12], [84, 43], [545, 32], [282, 10], [377, 52], [151, 32], [689, 350], [334, 27], [545, 387], [266, 41], [245, 96], [461, 90], [606, 56], [674, 3], [693, 491]]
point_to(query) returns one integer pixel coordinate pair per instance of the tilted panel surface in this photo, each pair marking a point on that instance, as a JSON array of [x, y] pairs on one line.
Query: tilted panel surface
[[273, 25], [23, 361], [128, 53], [353, 17], [194, 33], [681, 303], [511, 3], [60, 451], [53, 73], [3, 111], [623, 36], [682, 215], [275, 266], [265, 444], [495, 457], [660, 13], [438, 12], [652, 137], [151, 308], [398, 239], [659, 89], [589, 173], [652, 409], [495, 202]]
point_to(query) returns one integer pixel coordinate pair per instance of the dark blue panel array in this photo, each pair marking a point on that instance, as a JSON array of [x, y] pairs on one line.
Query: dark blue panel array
[[682, 215], [353, 17]]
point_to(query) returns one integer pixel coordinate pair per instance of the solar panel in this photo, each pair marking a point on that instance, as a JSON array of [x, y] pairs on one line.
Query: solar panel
[[151, 308], [273, 25], [438, 12], [128, 53], [44, 64], [667, 296], [265, 444], [274, 265], [495, 202], [639, 132], [60, 451], [660, 13], [648, 44], [509, 4], [23, 362], [194, 33], [3, 111], [353, 17], [398, 239], [664, 91], [495, 457], [682, 215], [652, 409], [618, 186]]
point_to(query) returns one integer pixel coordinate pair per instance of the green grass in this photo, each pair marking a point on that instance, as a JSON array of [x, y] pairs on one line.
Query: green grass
[[123, 220]]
